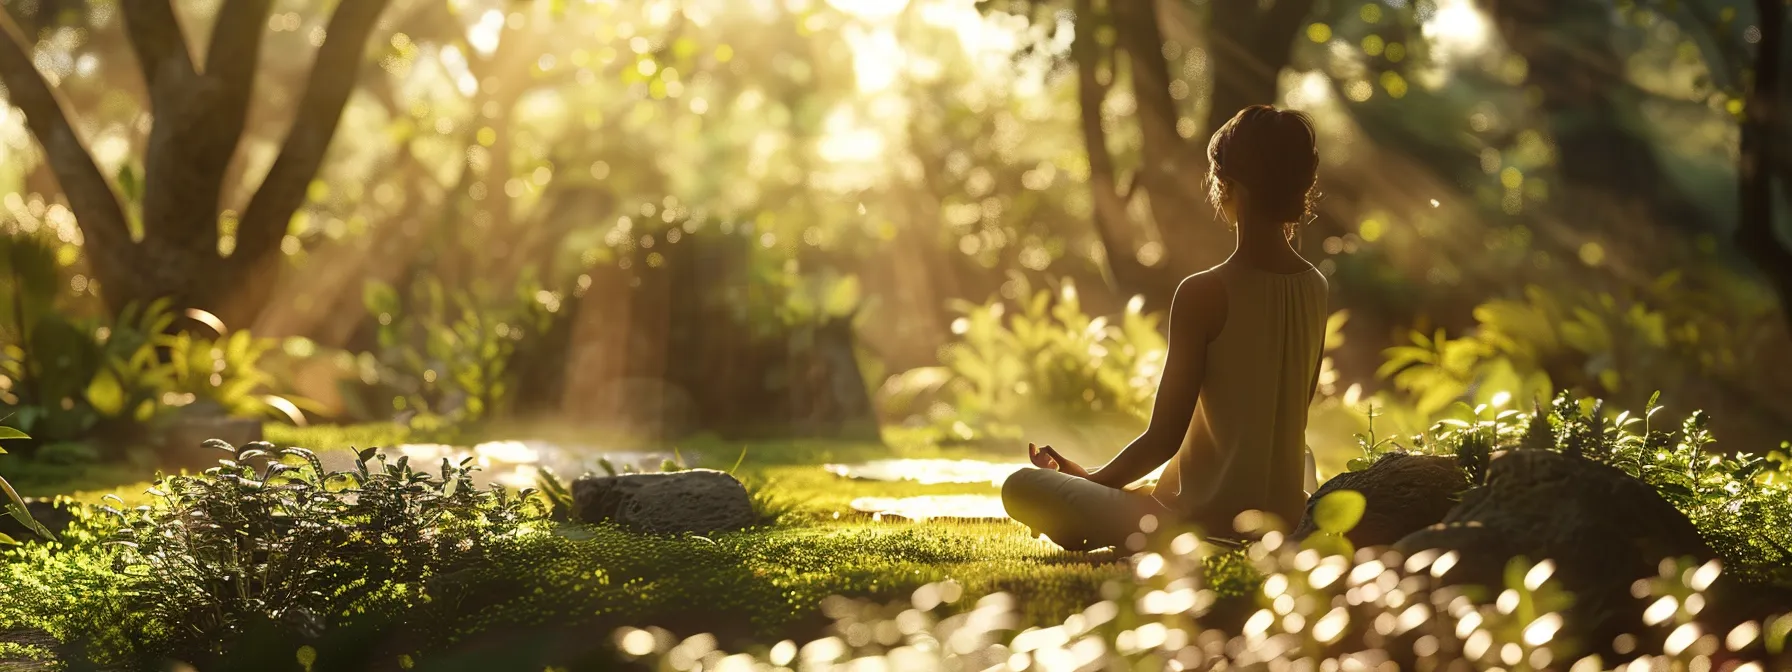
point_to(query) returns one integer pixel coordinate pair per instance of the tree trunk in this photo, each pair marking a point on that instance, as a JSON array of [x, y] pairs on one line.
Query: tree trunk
[[198, 122], [1250, 45], [1755, 232], [1172, 169], [1112, 221], [660, 354], [1611, 168]]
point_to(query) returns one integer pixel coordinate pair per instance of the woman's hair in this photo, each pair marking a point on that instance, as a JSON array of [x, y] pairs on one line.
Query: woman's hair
[[1270, 156]]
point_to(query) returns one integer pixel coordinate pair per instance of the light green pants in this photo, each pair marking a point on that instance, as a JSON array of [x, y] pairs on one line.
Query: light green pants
[[1079, 514]]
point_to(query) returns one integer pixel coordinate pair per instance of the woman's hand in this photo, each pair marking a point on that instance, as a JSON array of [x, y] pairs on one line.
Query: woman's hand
[[1046, 457]]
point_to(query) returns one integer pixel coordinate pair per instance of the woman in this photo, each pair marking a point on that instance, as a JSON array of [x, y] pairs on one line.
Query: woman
[[1245, 343]]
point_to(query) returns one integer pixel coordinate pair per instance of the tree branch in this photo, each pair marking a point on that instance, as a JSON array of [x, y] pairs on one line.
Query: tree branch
[[156, 37], [332, 79], [230, 60], [101, 218], [214, 128]]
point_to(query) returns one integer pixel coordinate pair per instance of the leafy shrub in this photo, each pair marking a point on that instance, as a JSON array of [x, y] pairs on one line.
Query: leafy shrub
[[447, 352], [1742, 504], [1593, 343], [289, 547], [72, 376], [68, 376], [1048, 359], [226, 371]]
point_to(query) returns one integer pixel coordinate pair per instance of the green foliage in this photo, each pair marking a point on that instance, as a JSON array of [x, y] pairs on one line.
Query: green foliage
[[1231, 574], [1046, 360], [1590, 342], [70, 376], [1742, 504], [447, 352], [1372, 444], [296, 543], [15, 505], [554, 491], [779, 296], [225, 371], [292, 545], [1336, 514]]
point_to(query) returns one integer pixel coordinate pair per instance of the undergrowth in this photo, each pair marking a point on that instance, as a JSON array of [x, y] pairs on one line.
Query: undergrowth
[[413, 569], [1741, 504]]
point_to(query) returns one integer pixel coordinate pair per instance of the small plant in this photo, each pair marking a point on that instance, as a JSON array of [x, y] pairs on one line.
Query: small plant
[[558, 497], [292, 545], [1046, 360], [1373, 446]]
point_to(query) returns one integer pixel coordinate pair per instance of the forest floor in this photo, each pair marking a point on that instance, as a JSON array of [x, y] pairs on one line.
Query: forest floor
[[561, 598]]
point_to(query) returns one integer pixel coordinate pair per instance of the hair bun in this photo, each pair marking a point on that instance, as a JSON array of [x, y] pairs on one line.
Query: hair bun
[[1271, 156]]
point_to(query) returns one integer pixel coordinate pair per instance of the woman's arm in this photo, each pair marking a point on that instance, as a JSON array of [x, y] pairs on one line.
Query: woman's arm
[[1196, 311]]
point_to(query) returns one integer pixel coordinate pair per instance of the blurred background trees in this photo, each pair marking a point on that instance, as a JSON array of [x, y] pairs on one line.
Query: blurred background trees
[[813, 217]]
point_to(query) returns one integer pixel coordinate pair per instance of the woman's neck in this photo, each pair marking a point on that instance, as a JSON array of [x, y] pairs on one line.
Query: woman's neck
[[1263, 244]]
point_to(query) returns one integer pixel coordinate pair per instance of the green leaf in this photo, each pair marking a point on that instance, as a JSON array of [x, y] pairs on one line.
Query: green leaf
[[129, 183], [16, 506], [1330, 544], [7, 541], [11, 433], [105, 393], [1338, 512]]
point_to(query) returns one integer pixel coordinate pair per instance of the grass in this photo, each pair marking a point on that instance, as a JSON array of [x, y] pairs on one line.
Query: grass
[[553, 597], [746, 587]]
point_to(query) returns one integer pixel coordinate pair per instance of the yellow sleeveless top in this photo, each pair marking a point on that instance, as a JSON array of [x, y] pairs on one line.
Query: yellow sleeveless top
[[1246, 445]]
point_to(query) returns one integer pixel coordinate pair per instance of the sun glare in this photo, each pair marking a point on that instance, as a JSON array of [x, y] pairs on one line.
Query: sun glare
[[1457, 29], [870, 9], [483, 36]]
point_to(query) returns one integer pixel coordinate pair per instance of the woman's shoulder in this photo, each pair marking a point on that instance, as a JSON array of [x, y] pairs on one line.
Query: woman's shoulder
[[1205, 284], [1200, 304]]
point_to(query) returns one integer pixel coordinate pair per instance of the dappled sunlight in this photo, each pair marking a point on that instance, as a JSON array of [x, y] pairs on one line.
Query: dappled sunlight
[[810, 275], [927, 507], [519, 464], [929, 471]]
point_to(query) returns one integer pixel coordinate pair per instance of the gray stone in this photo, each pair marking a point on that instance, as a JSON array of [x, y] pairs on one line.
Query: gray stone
[[1405, 493], [1603, 528], [27, 643], [184, 437], [695, 500], [48, 513]]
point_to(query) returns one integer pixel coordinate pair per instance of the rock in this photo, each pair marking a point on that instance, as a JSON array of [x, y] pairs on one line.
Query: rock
[[48, 513], [30, 649], [1406, 493], [1603, 529], [183, 438], [694, 500]]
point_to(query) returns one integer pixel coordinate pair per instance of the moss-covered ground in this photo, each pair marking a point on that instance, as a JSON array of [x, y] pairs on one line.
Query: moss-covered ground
[[555, 598]]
